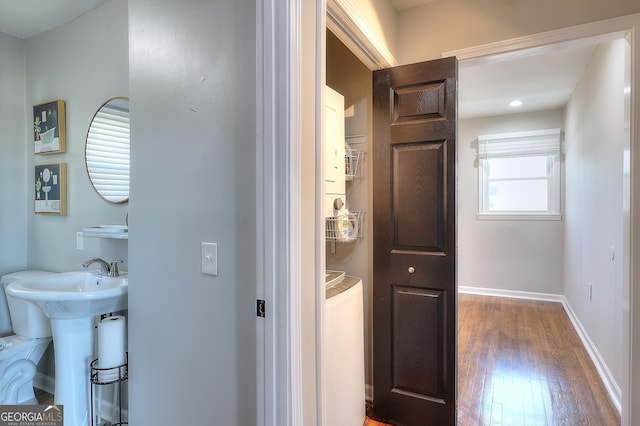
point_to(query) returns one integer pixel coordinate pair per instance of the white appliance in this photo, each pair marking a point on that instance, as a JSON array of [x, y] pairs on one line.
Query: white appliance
[[334, 151], [22, 351], [344, 352]]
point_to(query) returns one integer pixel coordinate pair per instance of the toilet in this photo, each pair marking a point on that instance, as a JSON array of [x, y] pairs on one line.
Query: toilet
[[23, 349]]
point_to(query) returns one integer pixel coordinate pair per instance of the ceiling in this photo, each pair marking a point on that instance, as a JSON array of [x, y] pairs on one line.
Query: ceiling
[[27, 18], [540, 81], [543, 81]]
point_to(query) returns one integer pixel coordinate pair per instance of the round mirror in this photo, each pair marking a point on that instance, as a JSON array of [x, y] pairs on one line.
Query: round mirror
[[107, 150]]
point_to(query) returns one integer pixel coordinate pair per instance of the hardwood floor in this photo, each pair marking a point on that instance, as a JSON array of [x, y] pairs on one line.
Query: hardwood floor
[[521, 362]]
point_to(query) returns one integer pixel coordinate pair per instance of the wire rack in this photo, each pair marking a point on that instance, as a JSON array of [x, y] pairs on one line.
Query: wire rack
[[108, 376], [344, 228], [352, 159]]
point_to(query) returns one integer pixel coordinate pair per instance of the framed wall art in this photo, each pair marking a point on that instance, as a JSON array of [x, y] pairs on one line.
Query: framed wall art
[[51, 189], [49, 133]]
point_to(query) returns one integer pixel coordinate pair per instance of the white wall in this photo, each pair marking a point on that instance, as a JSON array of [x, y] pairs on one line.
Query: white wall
[[13, 192], [192, 337], [442, 26], [504, 254], [83, 63], [594, 215]]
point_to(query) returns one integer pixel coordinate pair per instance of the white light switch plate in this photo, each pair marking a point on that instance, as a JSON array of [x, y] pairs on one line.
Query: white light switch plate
[[79, 241], [209, 258]]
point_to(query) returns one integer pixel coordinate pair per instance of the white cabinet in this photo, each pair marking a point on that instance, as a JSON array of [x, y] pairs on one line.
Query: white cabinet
[[334, 152]]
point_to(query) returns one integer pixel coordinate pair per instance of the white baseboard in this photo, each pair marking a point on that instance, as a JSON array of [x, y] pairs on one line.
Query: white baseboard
[[109, 414], [615, 394], [603, 370], [547, 297], [44, 382]]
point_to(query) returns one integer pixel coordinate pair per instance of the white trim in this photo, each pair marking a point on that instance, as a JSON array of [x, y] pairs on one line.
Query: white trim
[[279, 400], [344, 20], [608, 380], [320, 235], [631, 354], [513, 294], [368, 392], [579, 35], [518, 216], [293, 212], [615, 394]]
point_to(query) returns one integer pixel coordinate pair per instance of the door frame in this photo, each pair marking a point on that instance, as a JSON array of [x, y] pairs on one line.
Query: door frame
[[282, 397], [597, 32]]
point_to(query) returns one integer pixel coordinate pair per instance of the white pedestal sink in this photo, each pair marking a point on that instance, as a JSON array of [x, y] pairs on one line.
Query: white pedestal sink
[[71, 300]]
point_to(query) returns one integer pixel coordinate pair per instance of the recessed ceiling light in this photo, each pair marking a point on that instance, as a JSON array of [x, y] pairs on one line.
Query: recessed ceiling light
[[515, 104]]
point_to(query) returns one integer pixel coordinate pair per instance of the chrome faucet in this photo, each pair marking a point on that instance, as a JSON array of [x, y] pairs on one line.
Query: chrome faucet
[[106, 268]]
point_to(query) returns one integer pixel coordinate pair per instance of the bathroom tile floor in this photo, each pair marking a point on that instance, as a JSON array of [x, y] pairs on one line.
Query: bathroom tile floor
[[521, 362]]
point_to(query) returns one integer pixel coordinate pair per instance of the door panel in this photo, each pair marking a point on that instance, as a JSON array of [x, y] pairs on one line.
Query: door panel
[[418, 318], [414, 291], [418, 215]]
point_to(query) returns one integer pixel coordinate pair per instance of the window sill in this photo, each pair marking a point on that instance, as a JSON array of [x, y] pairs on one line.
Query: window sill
[[518, 216]]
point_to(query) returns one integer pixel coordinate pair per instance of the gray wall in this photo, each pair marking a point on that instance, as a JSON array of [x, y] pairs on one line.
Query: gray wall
[[504, 254], [13, 191], [595, 140], [193, 101], [83, 63]]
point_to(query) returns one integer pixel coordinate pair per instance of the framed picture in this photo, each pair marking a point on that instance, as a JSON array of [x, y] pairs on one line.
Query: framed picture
[[51, 189], [49, 131]]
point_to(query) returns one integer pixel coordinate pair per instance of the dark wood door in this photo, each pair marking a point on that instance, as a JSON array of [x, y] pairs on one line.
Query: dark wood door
[[414, 243]]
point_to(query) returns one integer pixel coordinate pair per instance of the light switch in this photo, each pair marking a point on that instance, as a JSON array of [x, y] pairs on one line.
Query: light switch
[[209, 258], [79, 241]]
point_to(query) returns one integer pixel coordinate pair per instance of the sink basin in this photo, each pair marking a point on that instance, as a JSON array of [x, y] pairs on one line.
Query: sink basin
[[72, 300], [71, 295]]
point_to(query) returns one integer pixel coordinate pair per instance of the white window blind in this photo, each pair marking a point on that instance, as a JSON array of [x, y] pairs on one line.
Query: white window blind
[[107, 152], [519, 175], [539, 142]]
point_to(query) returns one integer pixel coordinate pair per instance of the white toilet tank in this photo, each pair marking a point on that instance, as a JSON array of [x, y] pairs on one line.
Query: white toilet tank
[[27, 319]]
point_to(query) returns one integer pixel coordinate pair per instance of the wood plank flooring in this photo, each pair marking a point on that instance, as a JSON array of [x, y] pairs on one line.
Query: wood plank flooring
[[521, 362]]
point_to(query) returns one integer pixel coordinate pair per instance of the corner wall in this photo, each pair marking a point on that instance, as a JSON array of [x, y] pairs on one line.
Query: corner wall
[[514, 255], [594, 147]]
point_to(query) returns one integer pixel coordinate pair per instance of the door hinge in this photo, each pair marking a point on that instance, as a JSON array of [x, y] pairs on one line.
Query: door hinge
[[260, 307]]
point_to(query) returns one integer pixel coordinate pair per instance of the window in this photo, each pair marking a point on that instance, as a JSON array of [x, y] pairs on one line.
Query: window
[[519, 175]]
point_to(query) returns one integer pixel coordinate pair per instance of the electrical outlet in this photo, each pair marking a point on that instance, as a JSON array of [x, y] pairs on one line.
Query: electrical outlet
[[209, 257], [79, 241]]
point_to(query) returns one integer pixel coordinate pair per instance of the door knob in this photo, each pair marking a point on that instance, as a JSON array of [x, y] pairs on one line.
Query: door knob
[[411, 269]]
